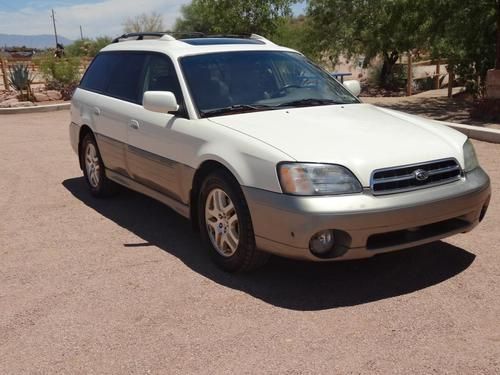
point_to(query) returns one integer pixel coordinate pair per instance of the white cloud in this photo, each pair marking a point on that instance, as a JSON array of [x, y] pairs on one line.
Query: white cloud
[[97, 19]]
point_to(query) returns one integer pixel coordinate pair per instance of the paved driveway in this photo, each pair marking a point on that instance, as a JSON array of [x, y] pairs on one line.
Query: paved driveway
[[123, 286]]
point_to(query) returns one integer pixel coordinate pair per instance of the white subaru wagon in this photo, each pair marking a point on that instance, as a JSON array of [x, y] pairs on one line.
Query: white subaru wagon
[[266, 153]]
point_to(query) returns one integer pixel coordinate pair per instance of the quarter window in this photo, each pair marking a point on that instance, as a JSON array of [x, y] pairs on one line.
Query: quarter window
[[125, 80], [97, 76], [160, 76], [117, 74]]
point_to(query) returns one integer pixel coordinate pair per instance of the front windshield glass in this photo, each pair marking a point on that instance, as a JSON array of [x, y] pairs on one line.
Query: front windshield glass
[[228, 82]]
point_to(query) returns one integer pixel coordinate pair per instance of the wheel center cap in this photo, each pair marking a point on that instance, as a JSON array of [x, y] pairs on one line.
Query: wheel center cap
[[222, 225]]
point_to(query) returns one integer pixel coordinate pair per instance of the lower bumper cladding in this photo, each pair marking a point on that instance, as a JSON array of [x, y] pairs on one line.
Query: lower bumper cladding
[[364, 224]]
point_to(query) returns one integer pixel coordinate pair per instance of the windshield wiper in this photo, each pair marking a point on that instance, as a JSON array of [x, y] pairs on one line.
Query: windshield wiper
[[235, 108], [308, 102]]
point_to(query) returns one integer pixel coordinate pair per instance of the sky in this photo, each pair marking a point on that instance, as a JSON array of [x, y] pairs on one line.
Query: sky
[[97, 17]]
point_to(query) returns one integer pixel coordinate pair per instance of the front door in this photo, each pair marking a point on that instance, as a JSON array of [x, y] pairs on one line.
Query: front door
[[153, 140]]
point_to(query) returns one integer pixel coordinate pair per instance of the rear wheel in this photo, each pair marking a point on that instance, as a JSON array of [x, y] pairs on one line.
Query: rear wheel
[[226, 226], [93, 169]]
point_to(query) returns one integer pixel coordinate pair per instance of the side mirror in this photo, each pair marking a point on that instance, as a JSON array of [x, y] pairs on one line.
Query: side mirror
[[160, 101], [353, 86]]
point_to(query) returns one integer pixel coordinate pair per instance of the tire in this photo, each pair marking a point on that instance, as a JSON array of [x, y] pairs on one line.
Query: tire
[[93, 169], [226, 226]]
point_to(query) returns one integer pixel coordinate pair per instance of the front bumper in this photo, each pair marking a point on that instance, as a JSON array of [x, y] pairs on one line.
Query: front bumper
[[365, 224]]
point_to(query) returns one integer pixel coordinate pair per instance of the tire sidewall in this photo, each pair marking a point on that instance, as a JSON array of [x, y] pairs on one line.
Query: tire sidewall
[[97, 190], [246, 242]]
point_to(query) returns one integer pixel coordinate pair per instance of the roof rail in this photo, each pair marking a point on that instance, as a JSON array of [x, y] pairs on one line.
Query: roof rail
[[163, 35], [261, 38], [173, 35], [243, 36], [139, 36]]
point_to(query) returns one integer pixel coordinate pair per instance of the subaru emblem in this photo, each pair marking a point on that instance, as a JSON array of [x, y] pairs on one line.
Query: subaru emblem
[[421, 175]]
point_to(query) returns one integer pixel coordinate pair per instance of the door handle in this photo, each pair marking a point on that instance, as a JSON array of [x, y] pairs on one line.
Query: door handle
[[134, 124], [97, 111]]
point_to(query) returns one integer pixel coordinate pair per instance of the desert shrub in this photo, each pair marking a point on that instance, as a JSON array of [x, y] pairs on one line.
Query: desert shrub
[[87, 47], [395, 81], [78, 48], [425, 84], [61, 74], [399, 76]]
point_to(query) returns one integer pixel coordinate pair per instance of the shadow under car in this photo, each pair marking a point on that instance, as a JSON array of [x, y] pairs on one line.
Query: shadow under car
[[282, 282]]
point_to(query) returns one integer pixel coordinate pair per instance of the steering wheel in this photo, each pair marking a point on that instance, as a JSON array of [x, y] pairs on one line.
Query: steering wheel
[[282, 90]]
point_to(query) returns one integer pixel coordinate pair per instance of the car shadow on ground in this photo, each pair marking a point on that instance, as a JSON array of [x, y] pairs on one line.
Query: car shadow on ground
[[441, 109], [284, 283]]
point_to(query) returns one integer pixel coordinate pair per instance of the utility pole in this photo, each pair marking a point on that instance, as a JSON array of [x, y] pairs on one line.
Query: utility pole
[[81, 33], [54, 23]]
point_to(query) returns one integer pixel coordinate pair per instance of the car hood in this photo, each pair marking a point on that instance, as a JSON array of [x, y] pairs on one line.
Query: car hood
[[361, 137]]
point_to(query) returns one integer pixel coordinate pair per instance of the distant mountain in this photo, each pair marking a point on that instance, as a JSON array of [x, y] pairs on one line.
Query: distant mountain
[[31, 41]]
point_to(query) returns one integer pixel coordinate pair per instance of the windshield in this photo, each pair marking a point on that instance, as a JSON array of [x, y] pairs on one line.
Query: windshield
[[228, 82]]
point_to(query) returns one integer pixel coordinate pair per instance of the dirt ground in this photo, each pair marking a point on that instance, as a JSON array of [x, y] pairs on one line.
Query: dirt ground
[[433, 104], [123, 286]]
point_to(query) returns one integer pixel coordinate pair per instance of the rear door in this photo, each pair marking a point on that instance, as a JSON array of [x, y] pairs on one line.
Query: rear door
[[114, 79]]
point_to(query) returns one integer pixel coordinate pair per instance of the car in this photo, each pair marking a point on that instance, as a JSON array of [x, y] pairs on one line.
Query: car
[[266, 153]]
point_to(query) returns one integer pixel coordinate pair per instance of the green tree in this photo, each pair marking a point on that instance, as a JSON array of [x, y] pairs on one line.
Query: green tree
[[144, 23], [233, 16], [370, 27], [466, 34], [463, 31], [292, 32]]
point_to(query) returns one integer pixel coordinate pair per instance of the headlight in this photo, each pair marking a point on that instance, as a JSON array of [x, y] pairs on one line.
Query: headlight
[[470, 157], [317, 179]]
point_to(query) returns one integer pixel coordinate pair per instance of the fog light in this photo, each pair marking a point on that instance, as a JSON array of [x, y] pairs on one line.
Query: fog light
[[322, 242]]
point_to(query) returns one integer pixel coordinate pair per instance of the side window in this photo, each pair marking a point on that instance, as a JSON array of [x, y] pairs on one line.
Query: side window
[[126, 77], [160, 75], [117, 74], [97, 76]]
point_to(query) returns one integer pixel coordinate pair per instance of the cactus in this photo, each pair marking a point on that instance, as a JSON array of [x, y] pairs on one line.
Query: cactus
[[20, 78]]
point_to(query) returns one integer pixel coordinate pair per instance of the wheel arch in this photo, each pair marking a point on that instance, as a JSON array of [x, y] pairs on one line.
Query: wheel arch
[[84, 130], [206, 168]]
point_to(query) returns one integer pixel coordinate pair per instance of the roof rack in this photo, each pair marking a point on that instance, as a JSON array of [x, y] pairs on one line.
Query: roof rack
[[242, 36], [173, 35], [164, 35]]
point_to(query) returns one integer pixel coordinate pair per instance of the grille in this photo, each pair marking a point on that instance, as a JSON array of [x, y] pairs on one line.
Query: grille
[[416, 176], [401, 237]]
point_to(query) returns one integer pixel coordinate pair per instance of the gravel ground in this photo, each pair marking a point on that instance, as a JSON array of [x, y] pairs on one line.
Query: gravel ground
[[122, 286]]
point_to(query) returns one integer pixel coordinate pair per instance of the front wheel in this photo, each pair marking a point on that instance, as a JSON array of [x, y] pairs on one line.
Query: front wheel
[[226, 226]]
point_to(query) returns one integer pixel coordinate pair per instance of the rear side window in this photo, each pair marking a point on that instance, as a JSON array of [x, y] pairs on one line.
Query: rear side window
[[97, 76], [117, 74]]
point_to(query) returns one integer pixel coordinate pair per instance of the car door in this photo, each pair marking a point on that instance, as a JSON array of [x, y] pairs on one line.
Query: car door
[[114, 78], [155, 139]]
